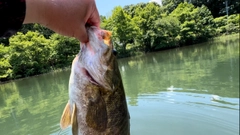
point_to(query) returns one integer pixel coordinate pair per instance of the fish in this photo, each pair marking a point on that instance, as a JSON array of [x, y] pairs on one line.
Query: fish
[[97, 102]]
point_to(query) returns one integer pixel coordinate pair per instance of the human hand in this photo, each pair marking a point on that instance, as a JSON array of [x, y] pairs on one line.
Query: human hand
[[66, 17]]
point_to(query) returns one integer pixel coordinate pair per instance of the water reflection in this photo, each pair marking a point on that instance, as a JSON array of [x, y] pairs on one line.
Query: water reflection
[[213, 67], [170, 91], [31, 104]]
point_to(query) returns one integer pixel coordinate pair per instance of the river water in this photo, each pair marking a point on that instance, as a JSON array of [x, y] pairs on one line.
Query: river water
[[191, 90]]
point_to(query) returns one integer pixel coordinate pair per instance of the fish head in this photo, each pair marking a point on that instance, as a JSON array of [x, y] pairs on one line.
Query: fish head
[[99, 41], [96, 60]]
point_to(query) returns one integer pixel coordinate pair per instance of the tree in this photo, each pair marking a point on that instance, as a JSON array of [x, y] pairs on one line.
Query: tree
[[64, 49], [123, 28], [5, 67], [217, 7], [29, 54], [170, 5], [131, 9], [36, 27], [168, 29], [196, 23], [227, 25], [103, 20], [204, 23], [145, 18]]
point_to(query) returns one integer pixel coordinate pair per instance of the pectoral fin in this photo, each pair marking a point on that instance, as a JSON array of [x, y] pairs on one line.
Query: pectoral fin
[[69, 118], [74, 120], [66, 117]]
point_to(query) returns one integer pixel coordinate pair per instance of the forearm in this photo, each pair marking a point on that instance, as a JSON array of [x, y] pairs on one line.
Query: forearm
[[49, 13], [32, 7], [36, 11]]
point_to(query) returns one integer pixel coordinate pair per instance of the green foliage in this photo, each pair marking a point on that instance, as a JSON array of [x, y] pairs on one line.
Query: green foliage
[[137, 29], [147, 27], [168, 29], [233, 23], [38, 28], [123, 28], [131, 9], [32, 54], [170, 5], [29, 54], [4, 41], [103, 21], [5, 67], [145, 18], [64, 50], [196, 23], [217, 7], [227, 24]]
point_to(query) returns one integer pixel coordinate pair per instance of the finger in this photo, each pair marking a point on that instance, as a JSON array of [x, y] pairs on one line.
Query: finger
[[94, 19], [82, 34]]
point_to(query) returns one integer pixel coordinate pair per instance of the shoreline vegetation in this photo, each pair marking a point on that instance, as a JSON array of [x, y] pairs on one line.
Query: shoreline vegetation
[[137, 29], [222, 38]]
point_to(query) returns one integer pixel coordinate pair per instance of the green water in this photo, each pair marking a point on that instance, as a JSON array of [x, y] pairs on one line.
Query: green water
[[184, 91]]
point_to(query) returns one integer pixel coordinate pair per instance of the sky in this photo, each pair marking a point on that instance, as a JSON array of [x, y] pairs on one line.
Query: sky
[[106, 6]]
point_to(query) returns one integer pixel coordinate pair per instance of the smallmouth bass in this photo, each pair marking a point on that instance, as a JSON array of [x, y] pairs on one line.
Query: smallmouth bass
[[97, 103]]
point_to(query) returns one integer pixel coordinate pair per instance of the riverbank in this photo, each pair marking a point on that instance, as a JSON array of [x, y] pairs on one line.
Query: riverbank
[[223, 38], [54, 71]]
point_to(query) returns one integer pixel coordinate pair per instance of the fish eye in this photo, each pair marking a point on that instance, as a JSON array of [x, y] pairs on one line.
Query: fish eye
[[114, 52]]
